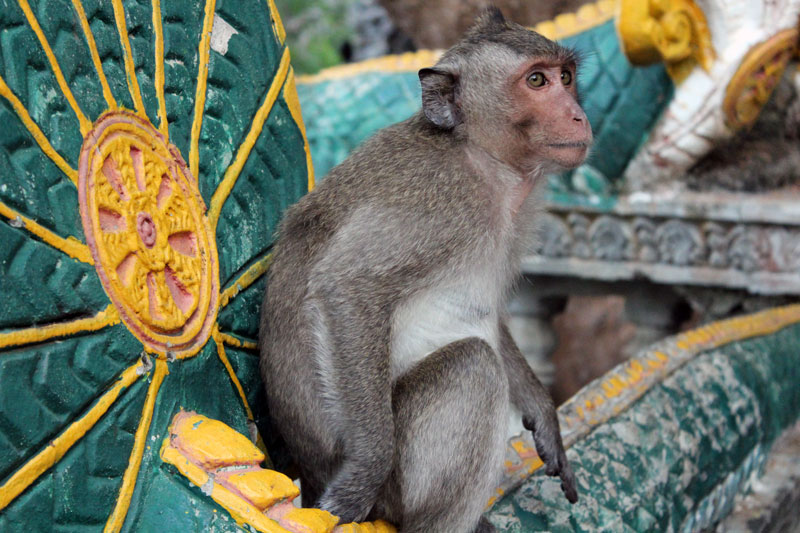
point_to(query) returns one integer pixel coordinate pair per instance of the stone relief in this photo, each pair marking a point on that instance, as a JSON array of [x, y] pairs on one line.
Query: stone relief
[[678, 242]]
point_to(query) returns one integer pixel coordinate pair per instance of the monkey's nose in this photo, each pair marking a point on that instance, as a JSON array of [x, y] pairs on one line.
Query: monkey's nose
[[577, 119]]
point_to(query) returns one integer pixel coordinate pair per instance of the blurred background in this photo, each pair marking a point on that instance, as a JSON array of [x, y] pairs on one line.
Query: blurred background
[[323, 33]]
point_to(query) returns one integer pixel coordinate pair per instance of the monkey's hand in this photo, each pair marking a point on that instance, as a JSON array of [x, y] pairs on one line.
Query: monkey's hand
[[551, 451]]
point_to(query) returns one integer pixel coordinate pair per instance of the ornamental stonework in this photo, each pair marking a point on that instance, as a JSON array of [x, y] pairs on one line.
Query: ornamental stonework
[[754, 247], [145, 224]]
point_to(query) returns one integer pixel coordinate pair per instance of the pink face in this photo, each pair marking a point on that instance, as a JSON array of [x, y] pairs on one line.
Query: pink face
[[548, 110]]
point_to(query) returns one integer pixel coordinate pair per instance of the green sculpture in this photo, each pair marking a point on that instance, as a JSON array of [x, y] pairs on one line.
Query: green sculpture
[[130, 278]]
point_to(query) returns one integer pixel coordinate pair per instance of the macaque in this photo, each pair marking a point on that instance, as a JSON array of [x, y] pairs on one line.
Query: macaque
[[388, 366]]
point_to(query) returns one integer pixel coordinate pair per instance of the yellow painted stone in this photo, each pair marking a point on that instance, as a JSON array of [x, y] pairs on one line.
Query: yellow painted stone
[[673, 31], [309, 521], [263, 488], [211, 443], [379, 526]]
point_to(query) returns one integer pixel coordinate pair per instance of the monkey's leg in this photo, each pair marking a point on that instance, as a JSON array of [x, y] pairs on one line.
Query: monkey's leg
[[309, 492], [450, 415]]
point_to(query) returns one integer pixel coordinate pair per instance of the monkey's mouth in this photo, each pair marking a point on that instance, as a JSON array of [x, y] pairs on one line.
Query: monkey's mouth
[[583, 145]]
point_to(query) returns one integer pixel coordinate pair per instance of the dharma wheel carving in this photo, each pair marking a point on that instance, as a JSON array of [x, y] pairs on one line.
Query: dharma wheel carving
[[145, 224]]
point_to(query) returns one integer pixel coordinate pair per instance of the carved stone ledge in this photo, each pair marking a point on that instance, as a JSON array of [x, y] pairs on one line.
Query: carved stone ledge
[[731, 241]]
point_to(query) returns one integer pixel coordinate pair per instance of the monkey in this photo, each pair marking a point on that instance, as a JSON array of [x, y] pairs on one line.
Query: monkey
[[387, 363]]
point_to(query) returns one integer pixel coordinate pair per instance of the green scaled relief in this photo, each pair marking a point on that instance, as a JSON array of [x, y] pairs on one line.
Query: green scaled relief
[[679, 454], [118, 227]]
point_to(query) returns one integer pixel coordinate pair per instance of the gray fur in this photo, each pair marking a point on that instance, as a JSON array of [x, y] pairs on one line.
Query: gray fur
[[387, 365]]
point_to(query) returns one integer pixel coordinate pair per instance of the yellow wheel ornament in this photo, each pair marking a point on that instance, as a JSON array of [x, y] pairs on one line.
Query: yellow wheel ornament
[[759, 74], [145, 224]]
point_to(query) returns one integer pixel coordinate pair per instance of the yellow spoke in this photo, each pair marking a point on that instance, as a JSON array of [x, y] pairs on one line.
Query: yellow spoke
[[230, 340], [290, 95], [107, 317], [235, 380], [117, 517], [85, 124], [38, 136], [163, 125], [183, 269], [247, 278], [200, 90], [98, 65], [70, 246], [130, 68], [232, 174], [55, 449], [117, 246], [276, 21]]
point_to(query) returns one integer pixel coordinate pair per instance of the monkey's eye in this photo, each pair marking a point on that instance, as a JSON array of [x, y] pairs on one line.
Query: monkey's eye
[[566, 77], [536, 79]]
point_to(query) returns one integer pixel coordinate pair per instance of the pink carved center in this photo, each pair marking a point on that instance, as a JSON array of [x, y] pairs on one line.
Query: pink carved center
[[146, 228]]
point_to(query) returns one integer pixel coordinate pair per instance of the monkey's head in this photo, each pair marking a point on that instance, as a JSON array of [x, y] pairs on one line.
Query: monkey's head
[[511, 92]]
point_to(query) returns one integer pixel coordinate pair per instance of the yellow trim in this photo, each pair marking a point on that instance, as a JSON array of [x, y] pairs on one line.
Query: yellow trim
[[200, 90], [230, 340], [240, 510], [585, 18], [231, 175], [248, 277], [629, 374], [276, 21], [85, 123], [58, 447], [290, 95], [236, 383], [38, 136], [98, 65], [117, 517], [130, 67], [70, 245], [163, 125], [107, 317], [737, 329]]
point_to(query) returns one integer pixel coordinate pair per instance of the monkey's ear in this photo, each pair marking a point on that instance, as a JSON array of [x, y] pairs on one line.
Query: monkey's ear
[[490, 16], [439, 89]]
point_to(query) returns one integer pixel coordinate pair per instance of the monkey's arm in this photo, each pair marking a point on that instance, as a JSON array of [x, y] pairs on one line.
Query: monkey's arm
[[538, 413]]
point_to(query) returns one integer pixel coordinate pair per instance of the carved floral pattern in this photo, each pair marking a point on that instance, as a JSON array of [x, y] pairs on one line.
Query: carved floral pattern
[[671, 241]]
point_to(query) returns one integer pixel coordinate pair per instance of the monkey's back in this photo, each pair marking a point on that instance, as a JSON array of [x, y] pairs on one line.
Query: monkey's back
[[419, 206]]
